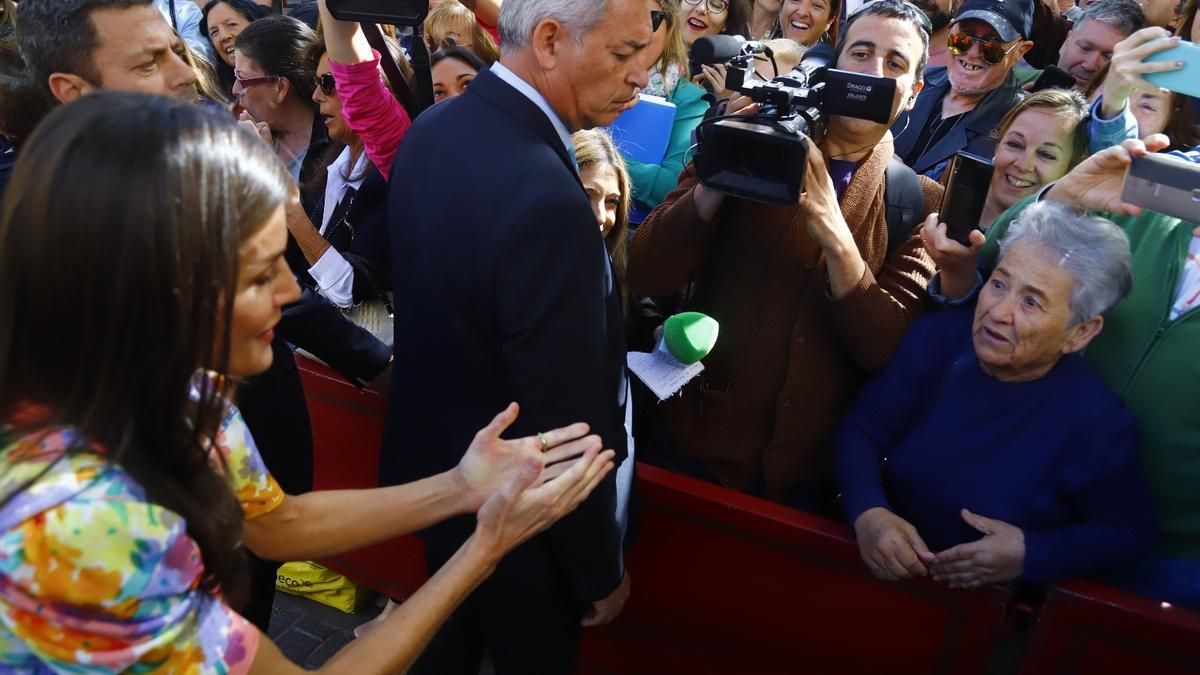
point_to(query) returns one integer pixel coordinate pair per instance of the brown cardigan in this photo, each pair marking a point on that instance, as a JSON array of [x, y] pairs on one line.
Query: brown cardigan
[[789, 359]]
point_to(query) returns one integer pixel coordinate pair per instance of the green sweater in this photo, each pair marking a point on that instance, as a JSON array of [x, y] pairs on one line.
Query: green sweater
[[1154, 365], [652, 182]]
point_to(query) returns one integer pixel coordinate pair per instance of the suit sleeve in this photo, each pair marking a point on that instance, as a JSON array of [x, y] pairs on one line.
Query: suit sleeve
[[553, 319], [315, 325], [874, 316]]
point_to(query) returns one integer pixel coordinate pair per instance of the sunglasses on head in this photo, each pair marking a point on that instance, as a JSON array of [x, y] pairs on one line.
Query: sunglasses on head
[[656, 19], [992, 51], [325, 83]]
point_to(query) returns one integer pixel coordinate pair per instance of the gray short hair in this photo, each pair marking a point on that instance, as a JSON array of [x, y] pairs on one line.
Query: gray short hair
[[518, 18], [1124, 15], [1093, 250]]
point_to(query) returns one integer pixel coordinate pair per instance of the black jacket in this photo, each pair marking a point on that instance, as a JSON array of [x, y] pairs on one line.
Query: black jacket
[[358, 229], [512, 298], [973, 134]]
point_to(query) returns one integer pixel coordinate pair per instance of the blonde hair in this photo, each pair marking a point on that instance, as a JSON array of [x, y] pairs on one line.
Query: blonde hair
[[1067, 104], [674, 51], [595, 146], [451, 16]]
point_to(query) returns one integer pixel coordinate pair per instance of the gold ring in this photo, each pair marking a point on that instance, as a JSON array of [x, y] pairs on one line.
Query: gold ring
[[544, 442]]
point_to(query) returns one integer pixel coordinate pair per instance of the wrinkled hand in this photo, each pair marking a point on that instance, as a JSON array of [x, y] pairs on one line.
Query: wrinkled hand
[[1095, 185], [996, 558], [259, 129], [1127, 68], [605, 610], [522, 506], [491, 461], [957, 263], [890, 545]]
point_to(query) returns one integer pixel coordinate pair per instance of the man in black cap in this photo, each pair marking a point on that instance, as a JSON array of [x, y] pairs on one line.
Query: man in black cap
[[963, 102]]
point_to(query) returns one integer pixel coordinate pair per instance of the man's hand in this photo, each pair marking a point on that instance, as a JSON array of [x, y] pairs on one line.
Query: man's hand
[[1095, 185], [996, 558], [605, 610], [890, 545], [491, 461], [957, 264], [1127, 68], [819, 202]]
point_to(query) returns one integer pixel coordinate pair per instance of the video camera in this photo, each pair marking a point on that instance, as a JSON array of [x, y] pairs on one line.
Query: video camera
[[762, 157]]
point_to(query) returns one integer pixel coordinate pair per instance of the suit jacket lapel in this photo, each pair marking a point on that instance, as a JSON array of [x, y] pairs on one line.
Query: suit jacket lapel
[[501, 95]]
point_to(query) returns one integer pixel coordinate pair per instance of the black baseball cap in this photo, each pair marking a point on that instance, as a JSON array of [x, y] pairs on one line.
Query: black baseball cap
[[1010, 18]]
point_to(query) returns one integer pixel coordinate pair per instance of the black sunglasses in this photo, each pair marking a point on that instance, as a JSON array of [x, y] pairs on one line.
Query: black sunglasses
[[656, 19], [325, 83]]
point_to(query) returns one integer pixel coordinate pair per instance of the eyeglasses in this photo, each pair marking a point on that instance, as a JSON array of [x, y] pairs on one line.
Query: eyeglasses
[[992, 51], [246, 83], [656, 19], [714, 7], [325, 83]]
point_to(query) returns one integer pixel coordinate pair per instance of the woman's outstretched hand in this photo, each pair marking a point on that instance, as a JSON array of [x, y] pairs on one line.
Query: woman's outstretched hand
[[524, 505], [491, 461]]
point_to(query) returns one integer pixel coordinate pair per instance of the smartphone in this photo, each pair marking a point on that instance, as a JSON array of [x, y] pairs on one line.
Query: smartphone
[[968, 179], [1053, 77], [1165, 184], [1186, 80]]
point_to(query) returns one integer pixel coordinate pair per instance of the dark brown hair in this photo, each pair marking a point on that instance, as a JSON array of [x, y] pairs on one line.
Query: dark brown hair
[[119, 263]]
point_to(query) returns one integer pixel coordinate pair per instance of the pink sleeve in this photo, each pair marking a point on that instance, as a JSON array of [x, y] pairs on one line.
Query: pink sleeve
[[371, 111], [494, 31]]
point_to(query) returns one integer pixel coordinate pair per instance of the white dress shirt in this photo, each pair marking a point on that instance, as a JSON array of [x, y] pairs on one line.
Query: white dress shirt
[[333, 274]]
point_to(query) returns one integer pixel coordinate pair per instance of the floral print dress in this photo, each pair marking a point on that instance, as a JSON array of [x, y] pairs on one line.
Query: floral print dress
[[95, 577]]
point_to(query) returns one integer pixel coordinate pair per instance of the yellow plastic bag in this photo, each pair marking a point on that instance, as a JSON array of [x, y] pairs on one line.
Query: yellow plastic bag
[[327, 587]]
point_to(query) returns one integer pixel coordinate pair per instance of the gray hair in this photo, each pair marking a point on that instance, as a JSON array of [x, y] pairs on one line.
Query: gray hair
[[519, 18], [1124, 15], [1093, 250]]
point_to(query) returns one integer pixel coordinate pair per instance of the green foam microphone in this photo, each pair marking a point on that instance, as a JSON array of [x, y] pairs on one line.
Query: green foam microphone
[[689, 336]]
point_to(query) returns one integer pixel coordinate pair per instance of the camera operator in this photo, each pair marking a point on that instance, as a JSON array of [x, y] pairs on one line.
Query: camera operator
[[808, 296]]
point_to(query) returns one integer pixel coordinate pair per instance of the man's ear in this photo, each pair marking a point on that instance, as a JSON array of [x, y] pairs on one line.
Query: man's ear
[[1023, 49], [1079, 336], [547, 41], [912, 100], [67, 87]]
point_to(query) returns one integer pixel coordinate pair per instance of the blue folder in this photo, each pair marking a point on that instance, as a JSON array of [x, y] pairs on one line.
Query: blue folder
[[643, 131]]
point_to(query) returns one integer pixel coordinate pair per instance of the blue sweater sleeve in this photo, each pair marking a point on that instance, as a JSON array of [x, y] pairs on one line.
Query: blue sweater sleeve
[[1111, 503], [885, 409], [653, 182], [1102, 133]]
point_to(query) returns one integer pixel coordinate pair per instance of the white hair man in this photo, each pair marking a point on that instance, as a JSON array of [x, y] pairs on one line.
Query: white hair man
[[515, 300]]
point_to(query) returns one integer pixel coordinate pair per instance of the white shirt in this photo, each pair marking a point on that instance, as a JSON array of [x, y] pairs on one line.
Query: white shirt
[[333, 274], [187, 18], [1187, 297], [532, 94]]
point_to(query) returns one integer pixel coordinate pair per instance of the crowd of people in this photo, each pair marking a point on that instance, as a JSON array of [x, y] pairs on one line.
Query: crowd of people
[[194, 191]]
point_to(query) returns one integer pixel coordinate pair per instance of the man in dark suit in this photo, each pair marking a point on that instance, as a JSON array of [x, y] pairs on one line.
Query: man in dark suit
[[504, 292], [962, 103]]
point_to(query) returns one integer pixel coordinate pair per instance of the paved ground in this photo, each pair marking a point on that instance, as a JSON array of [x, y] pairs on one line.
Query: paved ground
[[308, 632]]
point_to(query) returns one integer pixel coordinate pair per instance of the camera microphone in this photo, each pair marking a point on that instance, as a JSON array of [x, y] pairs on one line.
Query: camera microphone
[[714, 49]]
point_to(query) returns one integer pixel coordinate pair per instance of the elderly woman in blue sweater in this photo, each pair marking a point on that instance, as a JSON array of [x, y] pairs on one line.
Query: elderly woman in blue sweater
[[989, 450]]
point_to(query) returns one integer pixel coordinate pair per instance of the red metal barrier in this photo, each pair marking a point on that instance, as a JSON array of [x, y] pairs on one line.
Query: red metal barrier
[[722, 582], [1089, 629]]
